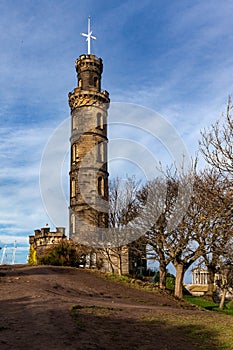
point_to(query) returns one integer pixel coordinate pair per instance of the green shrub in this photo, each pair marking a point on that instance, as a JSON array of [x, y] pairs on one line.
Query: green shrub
[[229, 305], [63, 254], [170, 282]]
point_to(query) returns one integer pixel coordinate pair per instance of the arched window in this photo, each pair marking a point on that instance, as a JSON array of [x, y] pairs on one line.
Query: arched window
[[95, 82], [102, 220], [73, 122], [100, 186], [73, 223], [80, 83], [73, 153], [73, 188], [100, 152], [74, 156], [99, 121]]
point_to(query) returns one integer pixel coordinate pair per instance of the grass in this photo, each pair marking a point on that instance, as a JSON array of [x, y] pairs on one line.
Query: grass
[[207, 330], [118, 278], [211, 331], [201, 302], [206, 304], [215, 330], [73, 312], [93, 309], [131, 282], [198, 301], [76, 311], [132, 299]]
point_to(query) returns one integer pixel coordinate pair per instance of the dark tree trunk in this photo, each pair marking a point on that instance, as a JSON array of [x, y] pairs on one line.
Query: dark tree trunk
[[110, 261], [162, 276], [119, 263], [179, 280], [223, 298], [211, 275]]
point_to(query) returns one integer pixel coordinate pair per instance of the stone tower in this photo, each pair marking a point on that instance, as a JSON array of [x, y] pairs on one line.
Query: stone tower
[[88, 164]]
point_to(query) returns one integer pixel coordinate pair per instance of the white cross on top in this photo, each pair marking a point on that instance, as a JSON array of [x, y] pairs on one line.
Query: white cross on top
[[89, 36]]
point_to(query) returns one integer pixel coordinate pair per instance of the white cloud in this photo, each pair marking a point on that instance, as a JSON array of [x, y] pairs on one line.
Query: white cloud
[[175, 59], [21, 205]]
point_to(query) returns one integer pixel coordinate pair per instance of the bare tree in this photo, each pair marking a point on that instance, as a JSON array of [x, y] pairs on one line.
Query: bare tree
[[216, 146], [123, 208], [214, 198], [169, 219], [157, 199], [216, 143], [225, 282], [203, 231], [182, 243]]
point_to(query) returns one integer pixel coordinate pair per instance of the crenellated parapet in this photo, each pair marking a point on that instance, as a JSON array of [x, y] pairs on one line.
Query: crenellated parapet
[[88, 91], [44, 239]]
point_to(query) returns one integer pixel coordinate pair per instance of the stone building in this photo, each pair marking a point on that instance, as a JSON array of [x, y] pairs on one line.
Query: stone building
[[89, 207], [45, 239], [88, 168], [88, 210]]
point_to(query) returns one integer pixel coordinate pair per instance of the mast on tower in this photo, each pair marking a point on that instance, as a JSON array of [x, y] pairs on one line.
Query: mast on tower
[[89, 36]]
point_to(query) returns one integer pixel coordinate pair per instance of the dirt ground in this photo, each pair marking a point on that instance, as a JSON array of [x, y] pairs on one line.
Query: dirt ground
[[66, 308]]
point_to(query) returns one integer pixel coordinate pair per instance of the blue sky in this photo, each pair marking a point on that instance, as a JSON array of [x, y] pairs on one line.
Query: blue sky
[[174, 57]]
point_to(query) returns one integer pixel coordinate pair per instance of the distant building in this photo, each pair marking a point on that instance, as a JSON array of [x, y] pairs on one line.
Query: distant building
[[44, 239], [199, 285]]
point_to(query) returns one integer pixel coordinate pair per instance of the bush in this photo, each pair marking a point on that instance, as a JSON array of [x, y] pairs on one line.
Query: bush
[[229, 305], [170, 282], [63, 254]]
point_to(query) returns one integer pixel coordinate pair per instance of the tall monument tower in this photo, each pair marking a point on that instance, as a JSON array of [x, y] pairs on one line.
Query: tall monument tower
[[88, 164]]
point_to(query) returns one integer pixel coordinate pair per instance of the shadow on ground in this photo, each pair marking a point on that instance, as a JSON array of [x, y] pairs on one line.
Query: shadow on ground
[[72, 309]]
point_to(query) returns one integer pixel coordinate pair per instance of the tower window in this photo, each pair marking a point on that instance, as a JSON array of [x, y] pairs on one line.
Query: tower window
[[73, 188], [73, 223], [80, 83], [100, 152], [73, 153], [100, 121], [74, 122], [100, 219], [100, 186], [95, 82]]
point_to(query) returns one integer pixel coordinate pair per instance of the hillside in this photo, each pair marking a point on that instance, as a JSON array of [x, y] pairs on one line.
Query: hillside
[[66, 308]]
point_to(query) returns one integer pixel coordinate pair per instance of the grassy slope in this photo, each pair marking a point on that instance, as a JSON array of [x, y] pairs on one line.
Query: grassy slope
[[213, 328]]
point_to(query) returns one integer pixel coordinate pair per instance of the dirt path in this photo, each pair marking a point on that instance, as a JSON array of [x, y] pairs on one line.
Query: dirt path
[[64, 308]]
